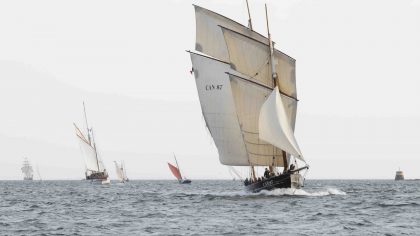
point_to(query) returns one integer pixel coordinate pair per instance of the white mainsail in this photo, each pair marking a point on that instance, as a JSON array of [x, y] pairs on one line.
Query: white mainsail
[[92, 162], [245, 57], [217, 105], [210, 39], [120, 172], [274, 128]]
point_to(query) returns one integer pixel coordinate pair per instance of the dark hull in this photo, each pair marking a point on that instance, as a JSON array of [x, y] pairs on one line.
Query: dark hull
[[185, 181], [28, 178], [97, 176], [287, 180], [399, 177]]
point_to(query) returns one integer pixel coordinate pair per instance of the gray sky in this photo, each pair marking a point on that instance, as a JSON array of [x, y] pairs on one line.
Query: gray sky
[[357, 75]]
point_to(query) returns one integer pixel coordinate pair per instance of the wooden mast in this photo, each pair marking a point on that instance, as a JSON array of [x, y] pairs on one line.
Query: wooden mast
[[177, 166], [96, 152], [249, 16], [253, 176], [276, 82], [87, 125]]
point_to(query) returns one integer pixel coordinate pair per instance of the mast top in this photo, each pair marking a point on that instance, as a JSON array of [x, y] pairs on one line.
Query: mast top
[[249, 16], [87, 125]]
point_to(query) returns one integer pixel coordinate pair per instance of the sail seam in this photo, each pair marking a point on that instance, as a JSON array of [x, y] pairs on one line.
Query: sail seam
[[262, 85]]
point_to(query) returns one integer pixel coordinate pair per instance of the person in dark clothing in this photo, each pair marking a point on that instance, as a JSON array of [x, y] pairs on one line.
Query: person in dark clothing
[[266, 173], [246, 182]]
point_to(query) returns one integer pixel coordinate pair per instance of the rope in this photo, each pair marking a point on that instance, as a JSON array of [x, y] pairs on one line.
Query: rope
[[260, 69]]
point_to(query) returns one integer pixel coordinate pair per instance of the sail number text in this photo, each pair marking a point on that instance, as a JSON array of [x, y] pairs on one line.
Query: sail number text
[[214, 87], [268, 183]]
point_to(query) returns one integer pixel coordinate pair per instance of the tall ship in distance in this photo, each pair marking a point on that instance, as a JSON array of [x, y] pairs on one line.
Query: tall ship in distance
[[121, 171], [399, 175], [248, 96], [94, 167], [27, 170]]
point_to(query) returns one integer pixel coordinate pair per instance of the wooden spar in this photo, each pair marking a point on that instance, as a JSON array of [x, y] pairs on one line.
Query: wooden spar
[[249, 16], [253, 175], [286, 165], [87, 126], [273, 68], [177, 166], [276, 82], [96, 152]]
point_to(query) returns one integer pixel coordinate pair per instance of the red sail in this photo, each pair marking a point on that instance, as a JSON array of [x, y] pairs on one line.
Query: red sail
[[175, 171]]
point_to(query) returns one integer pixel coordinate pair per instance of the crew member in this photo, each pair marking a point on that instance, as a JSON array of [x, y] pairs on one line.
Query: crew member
[[266, 173]]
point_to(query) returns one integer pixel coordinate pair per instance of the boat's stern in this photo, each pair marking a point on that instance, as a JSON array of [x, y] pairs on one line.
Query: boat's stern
[[296, 180]]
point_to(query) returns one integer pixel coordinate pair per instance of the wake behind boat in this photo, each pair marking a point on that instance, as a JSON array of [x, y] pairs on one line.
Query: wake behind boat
[[177, 173], [94, 167], [248, 96]]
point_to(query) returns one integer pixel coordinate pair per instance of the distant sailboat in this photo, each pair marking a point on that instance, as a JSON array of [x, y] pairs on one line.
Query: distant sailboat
[[95, 169], [248, 96], [177, 172], [28, 172], [399, 175], [121, 173]]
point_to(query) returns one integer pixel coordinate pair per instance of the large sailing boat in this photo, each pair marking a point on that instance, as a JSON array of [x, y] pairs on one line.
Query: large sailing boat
[[95, 169], [121, 173], [248, 97], [27, 170], [176, 171]]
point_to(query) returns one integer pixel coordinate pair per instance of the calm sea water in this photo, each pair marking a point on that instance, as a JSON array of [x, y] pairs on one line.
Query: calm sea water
[[339, 207]]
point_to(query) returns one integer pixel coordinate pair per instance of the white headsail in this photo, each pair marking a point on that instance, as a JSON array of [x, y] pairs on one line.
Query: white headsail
[[274, 127]]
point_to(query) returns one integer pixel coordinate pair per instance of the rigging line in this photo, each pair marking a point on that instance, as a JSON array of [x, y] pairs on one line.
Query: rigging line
[[261, 68]]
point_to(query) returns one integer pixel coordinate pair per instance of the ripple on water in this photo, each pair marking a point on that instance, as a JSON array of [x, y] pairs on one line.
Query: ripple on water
[[219, 207]]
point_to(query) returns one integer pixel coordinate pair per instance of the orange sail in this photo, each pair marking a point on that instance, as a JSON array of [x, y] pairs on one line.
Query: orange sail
[[175, 171]]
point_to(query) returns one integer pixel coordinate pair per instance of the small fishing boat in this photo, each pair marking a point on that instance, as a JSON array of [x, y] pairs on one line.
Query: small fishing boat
[[94, 167], [121, 173], [176, 171]]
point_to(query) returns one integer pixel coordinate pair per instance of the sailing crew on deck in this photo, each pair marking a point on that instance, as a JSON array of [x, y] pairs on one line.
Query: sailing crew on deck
[[266, 173]]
